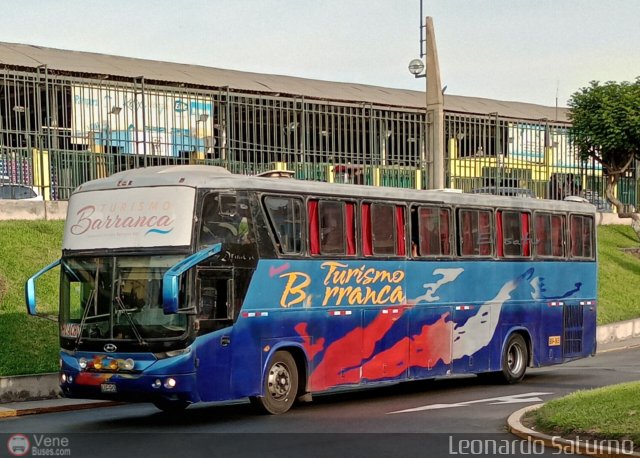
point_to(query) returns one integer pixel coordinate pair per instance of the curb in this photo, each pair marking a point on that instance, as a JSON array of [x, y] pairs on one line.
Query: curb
[[561, 445], [618, 332], [37, 408]]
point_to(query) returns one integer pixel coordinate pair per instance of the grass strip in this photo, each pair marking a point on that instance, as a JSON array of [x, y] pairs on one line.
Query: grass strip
[[612, 412]]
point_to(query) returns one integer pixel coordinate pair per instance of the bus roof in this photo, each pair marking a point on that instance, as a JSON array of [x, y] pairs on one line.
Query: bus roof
[[212, 177]]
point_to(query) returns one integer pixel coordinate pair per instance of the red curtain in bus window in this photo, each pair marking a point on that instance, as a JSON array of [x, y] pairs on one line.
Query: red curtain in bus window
[[557, 236], [444, 232], [400, 238], [351, 235], [484, 231], [367, 245], [467, 233], [314, 232], [500, 246], [524, 224]]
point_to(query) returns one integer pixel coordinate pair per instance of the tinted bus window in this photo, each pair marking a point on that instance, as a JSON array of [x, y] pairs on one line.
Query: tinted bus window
[[434, 232], [581, 236], [383, 229], [476, 232], [549, 238], [332, 227], [513, 234], [285, 214]]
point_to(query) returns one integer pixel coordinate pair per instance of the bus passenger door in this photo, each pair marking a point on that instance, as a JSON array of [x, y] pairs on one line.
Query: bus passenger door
[[430, 341], [214, 289]]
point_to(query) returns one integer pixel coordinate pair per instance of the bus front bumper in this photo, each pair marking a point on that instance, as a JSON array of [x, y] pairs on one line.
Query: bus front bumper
[[128, 387]]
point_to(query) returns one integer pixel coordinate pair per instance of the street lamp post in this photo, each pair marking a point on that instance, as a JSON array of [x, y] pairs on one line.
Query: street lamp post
[[434, 103]]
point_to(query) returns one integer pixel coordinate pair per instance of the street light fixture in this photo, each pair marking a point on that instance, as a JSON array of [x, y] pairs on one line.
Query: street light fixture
[[416, 68]]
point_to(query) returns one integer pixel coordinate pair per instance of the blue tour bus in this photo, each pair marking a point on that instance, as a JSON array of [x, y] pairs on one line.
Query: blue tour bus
[[182, 284]]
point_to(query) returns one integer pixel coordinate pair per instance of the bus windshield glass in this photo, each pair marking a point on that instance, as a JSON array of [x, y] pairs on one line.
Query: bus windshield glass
[[117, 298]]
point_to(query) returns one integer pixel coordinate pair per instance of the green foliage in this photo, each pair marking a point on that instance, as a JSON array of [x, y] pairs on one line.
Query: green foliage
[[618, 268], [606, 122], [29, 344], [612, 412]]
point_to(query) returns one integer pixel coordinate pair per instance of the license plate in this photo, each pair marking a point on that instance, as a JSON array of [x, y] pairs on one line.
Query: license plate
[[108, 388]]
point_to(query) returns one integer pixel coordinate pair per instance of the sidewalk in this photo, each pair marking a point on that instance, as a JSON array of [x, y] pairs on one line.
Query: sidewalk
[[18, 409]]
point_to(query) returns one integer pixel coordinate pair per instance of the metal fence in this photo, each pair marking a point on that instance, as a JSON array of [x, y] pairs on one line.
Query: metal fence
[[58, 131]]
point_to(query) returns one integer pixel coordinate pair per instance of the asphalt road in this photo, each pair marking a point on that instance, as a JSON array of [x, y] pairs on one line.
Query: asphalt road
[[433, 418]]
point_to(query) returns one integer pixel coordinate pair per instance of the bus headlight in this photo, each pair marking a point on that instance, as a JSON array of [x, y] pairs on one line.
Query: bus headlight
[[128, 364], [170, 383], [156, 383], [82, 362], [63, 378]]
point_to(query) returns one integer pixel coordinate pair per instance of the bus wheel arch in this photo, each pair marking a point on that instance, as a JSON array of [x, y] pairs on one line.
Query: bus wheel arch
[[515, 357], [280, 383]]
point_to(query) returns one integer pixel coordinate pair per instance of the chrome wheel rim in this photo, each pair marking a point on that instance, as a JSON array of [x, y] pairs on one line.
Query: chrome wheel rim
[[279, 381], [515, 359]]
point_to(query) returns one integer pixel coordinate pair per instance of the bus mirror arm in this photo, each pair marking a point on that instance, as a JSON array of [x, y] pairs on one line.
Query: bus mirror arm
[[171, 279], [30, 287]]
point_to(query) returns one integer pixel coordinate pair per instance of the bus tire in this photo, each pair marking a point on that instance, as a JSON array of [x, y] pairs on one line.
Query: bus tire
[[515, 358], [280, 386], [171, 406]]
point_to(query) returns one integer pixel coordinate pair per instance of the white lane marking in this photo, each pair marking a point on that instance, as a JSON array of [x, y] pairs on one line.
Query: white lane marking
[[513, 399]]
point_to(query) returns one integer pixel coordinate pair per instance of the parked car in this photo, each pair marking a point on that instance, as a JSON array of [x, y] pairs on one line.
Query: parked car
[[505, 191], [9, 190]]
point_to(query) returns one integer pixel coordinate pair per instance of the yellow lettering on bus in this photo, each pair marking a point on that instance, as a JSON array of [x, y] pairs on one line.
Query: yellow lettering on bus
[[294, 292]]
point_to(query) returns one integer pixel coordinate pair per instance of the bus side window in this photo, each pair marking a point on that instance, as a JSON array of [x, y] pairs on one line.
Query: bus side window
[[286, 217], [434, 231], [477, 232], [549, 235], [581, 236], [332, 227], [383, 228]]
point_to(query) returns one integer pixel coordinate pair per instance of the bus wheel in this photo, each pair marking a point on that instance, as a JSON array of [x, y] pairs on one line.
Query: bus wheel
[[514, 359], [170, 406], [280, 385]]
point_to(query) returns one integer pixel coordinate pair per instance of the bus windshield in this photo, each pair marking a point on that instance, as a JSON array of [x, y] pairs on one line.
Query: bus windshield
[[117, 298]]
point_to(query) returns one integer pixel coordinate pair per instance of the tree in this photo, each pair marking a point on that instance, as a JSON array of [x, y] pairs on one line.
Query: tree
[[606, 127]]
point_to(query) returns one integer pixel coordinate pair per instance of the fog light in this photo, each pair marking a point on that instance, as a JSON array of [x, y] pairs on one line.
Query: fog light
[[97, 366], [82, 362], [169, 383], [113, 365], [156, 384], [128, 364], [70, 379]]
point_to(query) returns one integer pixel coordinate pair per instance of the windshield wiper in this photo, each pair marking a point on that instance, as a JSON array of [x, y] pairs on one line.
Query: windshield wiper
[[92, 295], [119, 303]]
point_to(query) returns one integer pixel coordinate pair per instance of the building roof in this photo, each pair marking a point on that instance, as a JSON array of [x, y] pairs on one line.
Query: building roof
[[87, 64]]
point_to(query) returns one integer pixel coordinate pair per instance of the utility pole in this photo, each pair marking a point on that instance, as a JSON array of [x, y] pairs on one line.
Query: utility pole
[[434, 103]]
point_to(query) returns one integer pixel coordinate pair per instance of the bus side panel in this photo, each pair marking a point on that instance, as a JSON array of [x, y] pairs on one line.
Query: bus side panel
[[385, 344], [430, 333], [589, 325], [333, 342], [549, 348]]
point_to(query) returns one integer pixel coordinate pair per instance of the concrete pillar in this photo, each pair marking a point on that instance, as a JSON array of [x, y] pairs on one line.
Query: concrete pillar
[[435, 110]]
